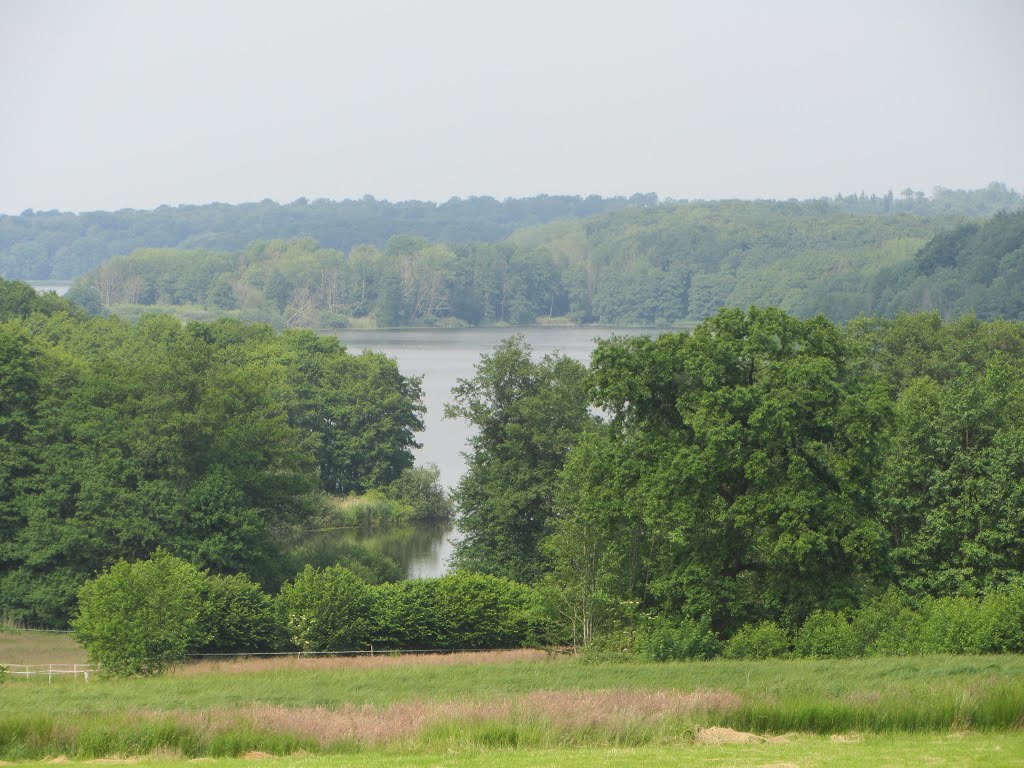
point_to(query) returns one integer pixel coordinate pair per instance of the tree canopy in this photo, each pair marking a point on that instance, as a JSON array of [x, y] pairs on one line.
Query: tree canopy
[[202, 439]]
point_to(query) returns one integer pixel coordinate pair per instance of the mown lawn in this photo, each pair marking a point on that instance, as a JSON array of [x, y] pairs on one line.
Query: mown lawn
[[1003, 750]]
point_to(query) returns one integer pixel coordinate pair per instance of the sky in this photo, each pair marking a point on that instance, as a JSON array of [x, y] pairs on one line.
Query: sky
[[116, 104]]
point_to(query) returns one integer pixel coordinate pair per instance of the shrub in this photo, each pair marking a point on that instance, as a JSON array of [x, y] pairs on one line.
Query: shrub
[[660, 639], [461, 610], [950, 625], [327, 610], [240, 617], [1001, 621], [826, 635], [420, 489], [406, 615], [138, 618], [899, 637], [766, 640], [877, 618], [475, 610]]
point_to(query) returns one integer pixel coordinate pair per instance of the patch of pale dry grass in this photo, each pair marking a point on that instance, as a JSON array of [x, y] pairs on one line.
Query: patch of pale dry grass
[[716, 735], [252, 665], [610, 711]]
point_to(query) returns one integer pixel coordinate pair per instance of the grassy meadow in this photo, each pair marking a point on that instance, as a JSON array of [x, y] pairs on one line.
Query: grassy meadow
[[530, 708], [19, 646]]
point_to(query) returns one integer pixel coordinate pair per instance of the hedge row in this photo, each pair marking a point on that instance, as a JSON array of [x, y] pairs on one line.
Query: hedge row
[[139, 618], [891, 625]]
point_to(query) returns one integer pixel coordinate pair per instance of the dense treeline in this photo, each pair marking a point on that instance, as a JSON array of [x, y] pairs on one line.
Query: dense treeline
[[141, 617], [43, 245], [760, 468], [204, 439], [976, 267], [637, 266]]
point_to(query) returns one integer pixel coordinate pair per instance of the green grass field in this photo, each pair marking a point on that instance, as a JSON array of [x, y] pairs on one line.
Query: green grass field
[[23, 647], [527, 708]]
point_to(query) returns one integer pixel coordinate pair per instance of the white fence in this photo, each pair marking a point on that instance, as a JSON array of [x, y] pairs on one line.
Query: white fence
[[49, 670]]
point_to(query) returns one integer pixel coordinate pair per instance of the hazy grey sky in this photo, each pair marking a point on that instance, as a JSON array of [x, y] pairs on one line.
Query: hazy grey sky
[[109, 104]]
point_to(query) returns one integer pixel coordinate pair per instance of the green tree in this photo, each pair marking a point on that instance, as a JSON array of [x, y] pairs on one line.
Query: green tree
[[526, 415], [139, 618], [951, 491], [750, 457], [328, 610]]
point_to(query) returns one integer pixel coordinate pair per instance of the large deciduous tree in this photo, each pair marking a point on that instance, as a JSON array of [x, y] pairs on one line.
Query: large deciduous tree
[[735, 484], [526, 416]]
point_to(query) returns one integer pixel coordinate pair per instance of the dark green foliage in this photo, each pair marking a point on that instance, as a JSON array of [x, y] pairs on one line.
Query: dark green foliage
[[462, 610], [139, 618], [328, 610], [826, 635], [526, 415], [974, 268], [660, 639], [733, 469], [420, 489], [116, 439], [371, 567], [766, 640], [239, 617]]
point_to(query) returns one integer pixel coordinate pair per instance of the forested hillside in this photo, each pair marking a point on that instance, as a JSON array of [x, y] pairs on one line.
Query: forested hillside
[[654, 266], [976, 267], [43, 245], [203, 439]]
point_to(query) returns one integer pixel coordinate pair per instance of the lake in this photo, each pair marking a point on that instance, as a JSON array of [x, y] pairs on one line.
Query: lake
[[60, 287], [442, 357]]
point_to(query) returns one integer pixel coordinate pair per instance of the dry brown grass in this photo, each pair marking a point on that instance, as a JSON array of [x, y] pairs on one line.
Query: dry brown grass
[[716, 735], [377, 661], [610, 710]]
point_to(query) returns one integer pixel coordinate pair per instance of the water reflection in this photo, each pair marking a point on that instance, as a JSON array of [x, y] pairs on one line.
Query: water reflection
[[422, 551]]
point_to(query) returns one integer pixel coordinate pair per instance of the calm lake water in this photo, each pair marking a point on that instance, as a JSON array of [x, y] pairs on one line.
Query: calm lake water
[[60, 287], [442, 357]]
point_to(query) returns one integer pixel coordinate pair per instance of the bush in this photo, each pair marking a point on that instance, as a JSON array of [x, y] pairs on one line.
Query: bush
[[480, 611], [461, 610], [138, 618], [240, 617], [950, 625], [826, 635], [877, 618], [420, 489], [766, 640], [406, 615], [660, 639], [1001, 621], [327, 610]]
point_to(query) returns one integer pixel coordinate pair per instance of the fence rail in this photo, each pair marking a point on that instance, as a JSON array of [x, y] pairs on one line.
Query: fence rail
[[50, 670]]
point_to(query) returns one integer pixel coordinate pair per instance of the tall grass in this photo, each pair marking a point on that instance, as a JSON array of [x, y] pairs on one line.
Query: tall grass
[[441, 703]]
